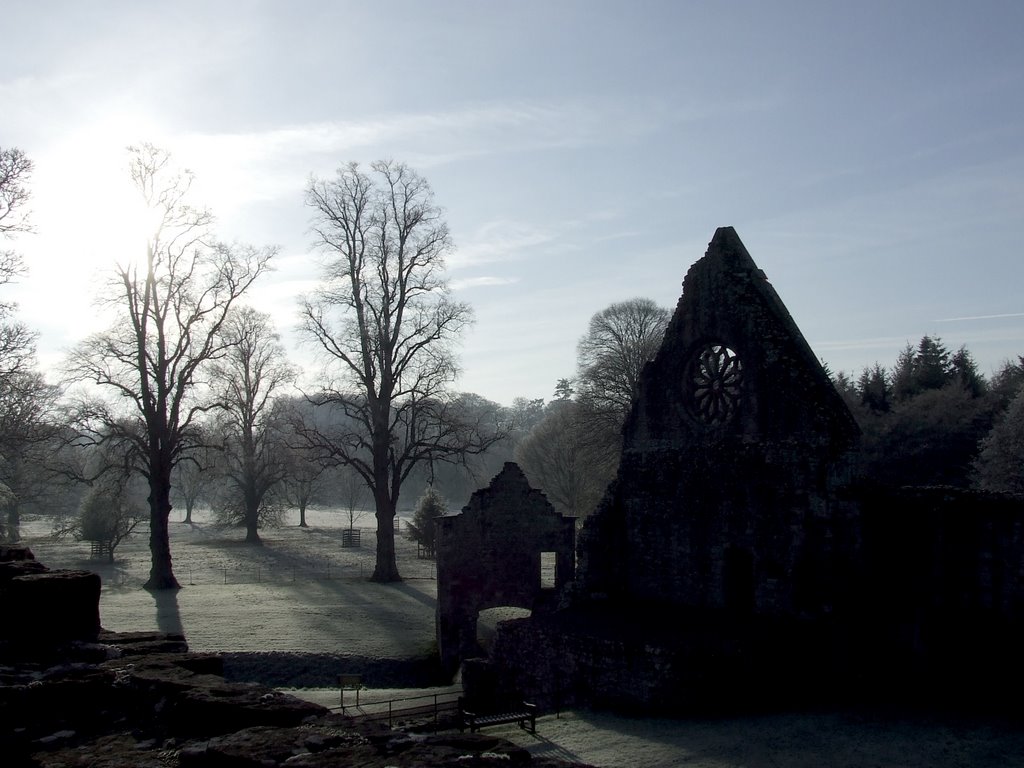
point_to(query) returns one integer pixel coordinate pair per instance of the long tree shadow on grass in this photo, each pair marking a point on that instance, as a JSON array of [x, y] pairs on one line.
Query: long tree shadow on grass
[[287, 554], [220, 557], [329, 605]]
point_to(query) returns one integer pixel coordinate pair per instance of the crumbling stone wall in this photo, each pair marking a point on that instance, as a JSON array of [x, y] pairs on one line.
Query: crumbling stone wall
[[44, 607], [737, 439], [86, 698], [489, 555], [734, 553]]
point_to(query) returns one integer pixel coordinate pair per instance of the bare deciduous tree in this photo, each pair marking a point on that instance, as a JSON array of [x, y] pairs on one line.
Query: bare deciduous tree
[[193, 475], [24, 395], [352, 494], [582, 443], [15, 170], [17, 342], [27, 439], [619, 342], [171, 306], [558, 458], [386, 322], [304, 480], [249, 376]]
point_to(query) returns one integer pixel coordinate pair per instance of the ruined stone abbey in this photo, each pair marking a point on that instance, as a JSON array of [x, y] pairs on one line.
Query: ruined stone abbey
[[736, 559]]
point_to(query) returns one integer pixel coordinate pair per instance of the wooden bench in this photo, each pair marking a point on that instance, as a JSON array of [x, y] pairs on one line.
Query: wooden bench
[[525, 717]]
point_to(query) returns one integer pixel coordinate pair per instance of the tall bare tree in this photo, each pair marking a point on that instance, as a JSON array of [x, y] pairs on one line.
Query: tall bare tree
[[306, 478], [28, 436], [25, 397], [558, 457], [252, 372], [170, 307], [15, 170], [619, 342], [17, 342], [193, 477], [386, 323], [611, 356]]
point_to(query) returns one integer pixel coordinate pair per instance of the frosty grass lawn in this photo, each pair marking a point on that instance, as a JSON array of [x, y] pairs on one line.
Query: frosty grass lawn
[[303, 593]]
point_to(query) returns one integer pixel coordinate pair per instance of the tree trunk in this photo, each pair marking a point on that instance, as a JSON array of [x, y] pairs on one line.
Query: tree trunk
[[252, 534], [252, 520], [161, 574], [13, 523], [386, 568], [302, 515], [188, 513]]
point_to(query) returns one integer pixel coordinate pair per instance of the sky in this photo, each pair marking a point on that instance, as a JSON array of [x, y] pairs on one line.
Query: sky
[[870, 155]]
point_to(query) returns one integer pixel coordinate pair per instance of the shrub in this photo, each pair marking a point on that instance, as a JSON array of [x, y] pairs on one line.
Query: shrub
[[109, 512], [421, 528]]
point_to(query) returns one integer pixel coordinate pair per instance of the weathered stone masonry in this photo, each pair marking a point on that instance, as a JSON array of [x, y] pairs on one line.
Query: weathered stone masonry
[[489, 555], [725, 493], [735, 558]]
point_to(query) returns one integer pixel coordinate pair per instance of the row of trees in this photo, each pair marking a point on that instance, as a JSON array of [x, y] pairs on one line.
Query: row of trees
[[189, 389], [571, 447], [934, 419], [187, 378], [931, 419], [25, 397]]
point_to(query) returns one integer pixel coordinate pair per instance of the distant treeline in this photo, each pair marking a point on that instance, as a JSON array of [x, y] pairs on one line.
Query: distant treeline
[[934, 419]]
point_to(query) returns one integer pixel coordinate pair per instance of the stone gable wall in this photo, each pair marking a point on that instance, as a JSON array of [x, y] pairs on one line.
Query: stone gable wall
[[734, 561], [489, 555], [730, 508]]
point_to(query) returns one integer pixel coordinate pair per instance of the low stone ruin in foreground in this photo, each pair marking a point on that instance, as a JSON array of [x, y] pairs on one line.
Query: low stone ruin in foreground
[[72, 694]]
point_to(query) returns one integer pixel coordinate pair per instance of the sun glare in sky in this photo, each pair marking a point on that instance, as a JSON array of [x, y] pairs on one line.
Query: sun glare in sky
[[88, 218], [870, 157]]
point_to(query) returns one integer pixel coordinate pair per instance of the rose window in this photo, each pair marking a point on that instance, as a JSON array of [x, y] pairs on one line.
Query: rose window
[[715, 378]]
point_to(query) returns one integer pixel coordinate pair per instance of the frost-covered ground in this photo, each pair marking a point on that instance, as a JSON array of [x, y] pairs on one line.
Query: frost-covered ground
[[303, 593], [300, 591]]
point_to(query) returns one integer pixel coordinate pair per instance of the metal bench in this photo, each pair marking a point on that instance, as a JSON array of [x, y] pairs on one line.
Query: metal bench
[[525, 717]]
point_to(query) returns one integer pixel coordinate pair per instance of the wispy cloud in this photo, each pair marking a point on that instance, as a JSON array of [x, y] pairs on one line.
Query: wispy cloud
[[427, 138], [877, 342], [980, 317], [271, 164], [473, 129], [479, 282], [498, 241]]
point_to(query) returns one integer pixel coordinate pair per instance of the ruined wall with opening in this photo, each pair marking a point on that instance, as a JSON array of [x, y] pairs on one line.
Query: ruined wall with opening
[[508, 547]]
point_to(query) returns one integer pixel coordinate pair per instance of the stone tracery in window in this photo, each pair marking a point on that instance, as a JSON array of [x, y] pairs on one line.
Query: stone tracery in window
[[715, 376]]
